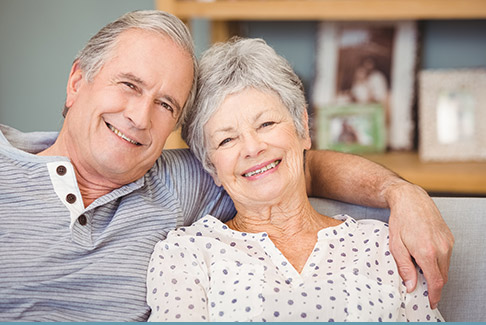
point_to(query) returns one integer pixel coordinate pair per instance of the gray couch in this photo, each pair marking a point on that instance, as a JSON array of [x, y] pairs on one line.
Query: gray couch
[[464, 296]]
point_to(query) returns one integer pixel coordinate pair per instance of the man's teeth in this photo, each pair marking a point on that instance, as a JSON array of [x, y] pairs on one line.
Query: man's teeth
[[121, 135], [262, 170]]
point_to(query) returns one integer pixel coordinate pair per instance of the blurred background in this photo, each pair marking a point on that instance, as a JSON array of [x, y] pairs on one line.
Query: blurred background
[[40, 38]]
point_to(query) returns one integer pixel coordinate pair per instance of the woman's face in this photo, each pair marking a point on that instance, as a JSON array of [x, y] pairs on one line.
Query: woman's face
[[255, 149]]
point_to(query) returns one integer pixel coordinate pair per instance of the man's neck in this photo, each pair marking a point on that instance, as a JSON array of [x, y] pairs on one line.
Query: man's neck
[[91, 184]]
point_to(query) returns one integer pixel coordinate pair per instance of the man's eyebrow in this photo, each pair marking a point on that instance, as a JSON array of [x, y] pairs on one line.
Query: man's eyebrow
[[139, 81], [133, 78]]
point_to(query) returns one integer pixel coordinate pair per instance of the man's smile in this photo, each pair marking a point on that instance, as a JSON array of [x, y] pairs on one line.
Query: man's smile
[[121, 135]]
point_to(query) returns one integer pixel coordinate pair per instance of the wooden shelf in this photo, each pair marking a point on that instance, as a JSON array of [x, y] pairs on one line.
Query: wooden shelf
[[325, 9], [459, 178], [437, 177], [174, 141]]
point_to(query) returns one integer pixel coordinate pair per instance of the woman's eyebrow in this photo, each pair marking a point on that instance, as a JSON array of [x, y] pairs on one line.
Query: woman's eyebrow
[[223, 130]]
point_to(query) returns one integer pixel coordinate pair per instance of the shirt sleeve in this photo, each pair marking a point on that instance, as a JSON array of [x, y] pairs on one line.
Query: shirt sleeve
[[416, 305], [177, 282], [197, 193]]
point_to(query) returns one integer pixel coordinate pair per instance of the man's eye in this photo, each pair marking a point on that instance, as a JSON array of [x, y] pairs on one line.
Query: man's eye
[[129, 85], [165, 106]]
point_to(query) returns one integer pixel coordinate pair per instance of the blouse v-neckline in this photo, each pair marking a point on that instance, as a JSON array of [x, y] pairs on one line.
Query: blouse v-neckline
[[277, 257]]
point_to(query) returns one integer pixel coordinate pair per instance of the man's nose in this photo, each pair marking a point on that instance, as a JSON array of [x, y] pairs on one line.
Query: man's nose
[[139, 113]]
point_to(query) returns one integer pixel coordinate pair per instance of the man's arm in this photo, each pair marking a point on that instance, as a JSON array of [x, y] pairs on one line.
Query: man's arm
[[417, 229]]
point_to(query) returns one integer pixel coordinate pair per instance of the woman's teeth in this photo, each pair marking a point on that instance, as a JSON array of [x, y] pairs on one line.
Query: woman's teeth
[[121, 135], [262, 170]]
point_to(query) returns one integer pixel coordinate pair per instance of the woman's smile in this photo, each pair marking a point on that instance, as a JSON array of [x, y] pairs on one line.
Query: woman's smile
[[256, 171]]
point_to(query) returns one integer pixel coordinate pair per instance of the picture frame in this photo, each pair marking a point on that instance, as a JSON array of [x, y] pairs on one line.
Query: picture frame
[[452, 115], [353, 128], [369, 62]]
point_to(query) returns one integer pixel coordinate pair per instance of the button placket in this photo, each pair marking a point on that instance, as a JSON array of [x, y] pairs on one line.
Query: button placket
[[82, 220], [61, 170], [65, 185], [71, 198]]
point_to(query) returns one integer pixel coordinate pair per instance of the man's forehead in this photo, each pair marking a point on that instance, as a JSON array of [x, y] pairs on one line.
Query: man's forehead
[[131, 40], [134, 33]]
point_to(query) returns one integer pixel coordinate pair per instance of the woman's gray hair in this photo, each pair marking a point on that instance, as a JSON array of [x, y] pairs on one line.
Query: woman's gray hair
[[99, 48], [228, 68]]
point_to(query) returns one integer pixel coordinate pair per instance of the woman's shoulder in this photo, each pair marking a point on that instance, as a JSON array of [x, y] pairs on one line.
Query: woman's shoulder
[[371, 224], [360, 222], [354, 226], [193, 238], [207, 228]]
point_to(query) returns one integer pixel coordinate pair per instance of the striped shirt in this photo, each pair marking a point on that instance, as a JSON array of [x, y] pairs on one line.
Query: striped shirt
[[60, 261]]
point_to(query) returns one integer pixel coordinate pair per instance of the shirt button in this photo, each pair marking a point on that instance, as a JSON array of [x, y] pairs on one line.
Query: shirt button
[[71, 198], [82, 220], [61, 170]]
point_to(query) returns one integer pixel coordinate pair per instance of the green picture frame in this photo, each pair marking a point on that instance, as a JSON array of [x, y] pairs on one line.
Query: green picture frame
[[352, 128]]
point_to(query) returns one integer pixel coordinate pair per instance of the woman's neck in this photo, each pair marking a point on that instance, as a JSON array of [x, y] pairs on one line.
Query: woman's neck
[[292, 228], [277, 220]]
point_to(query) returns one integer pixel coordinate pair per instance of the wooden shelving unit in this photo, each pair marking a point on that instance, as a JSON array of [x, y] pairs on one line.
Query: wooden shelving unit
[[459, 178], [325, 9], [455, 178], [220, 12]]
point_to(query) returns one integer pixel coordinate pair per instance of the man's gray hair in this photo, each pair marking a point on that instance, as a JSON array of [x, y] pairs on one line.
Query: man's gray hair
[[98, 49], [228, 68]]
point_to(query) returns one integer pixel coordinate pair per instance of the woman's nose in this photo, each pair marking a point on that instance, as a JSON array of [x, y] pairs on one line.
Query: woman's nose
[[253, 145]]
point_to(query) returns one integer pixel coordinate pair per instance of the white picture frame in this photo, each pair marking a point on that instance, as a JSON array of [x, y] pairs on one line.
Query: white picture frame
[[397, 52], [452, 115]]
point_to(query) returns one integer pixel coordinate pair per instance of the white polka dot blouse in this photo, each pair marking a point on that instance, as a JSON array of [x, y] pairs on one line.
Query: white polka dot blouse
[[209, 272]]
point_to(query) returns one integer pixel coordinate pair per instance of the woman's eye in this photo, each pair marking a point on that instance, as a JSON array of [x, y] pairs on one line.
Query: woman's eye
[[225, 141], [266, 124]]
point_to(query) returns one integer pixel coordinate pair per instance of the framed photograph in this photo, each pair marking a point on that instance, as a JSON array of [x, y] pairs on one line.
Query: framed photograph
[[369, 62], [356, 128], [452, 115]]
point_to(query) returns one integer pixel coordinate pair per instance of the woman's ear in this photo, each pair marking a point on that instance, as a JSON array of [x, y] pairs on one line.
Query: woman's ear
[[307, 138], [216, 179], [75, 80]]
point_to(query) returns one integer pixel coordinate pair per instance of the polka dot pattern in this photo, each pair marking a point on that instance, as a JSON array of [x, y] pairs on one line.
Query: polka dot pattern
[[209, 272]]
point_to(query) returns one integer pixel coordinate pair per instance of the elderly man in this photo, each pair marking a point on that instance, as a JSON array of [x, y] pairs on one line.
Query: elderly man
[[80, 211]]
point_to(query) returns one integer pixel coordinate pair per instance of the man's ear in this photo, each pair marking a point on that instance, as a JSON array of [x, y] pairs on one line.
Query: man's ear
[[76, 78]]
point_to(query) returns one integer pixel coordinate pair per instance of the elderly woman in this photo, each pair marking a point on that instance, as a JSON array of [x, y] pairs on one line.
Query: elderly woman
[[278, 259]]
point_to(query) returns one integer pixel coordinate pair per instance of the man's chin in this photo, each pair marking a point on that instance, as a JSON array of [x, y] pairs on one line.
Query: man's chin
[[120, 177], [120, 172]]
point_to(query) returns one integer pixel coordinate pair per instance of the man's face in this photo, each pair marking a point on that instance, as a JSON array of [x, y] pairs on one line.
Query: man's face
[[118, 123]]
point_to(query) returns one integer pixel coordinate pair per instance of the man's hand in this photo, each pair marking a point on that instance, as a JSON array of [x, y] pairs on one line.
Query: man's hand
[[417, 230]]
